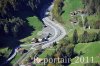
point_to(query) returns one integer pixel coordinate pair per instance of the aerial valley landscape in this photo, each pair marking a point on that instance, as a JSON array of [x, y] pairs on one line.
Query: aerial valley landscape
[[49, 32]]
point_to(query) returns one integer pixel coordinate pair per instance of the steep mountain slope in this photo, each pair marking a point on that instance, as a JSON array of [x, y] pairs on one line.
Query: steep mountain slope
[[13, 21], [13, 14]]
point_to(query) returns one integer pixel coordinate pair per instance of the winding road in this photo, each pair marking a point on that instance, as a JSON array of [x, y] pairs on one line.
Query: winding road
[[58, 31]]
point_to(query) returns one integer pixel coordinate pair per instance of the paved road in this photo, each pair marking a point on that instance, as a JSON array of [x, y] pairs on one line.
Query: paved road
[[57, 30], [59, 33], [10, 58]]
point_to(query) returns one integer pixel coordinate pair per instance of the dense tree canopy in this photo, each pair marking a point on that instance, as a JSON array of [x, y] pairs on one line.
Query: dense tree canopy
[[7, 7], [58, 7], [11, 26], [11, 21], [92, 6], [75, 37]]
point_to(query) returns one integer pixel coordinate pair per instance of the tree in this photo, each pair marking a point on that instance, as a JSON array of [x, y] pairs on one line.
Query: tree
[[92, 6], [98, 36], [70, 50], [6, 28], [85, 37], [29, 59], [57, 10], [80, 23], [15, 30], [86, 24], [92, 37], [58, 54], [88, 37], [97, 24], [75, 37], [36, 40], [98, 10], [55, 44]]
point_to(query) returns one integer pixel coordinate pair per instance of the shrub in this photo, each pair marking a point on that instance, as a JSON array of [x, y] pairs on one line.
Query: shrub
[[80, 23], [84, 37], [88, 37], [92, 37]]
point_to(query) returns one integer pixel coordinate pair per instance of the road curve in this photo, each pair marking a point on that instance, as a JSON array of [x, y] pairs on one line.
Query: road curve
[[59, 33]]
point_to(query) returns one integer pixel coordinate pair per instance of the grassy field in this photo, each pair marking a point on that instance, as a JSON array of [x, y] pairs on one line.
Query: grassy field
[[16, 58], [89, 50], [80, 31], [70, 6], [47, 51], [37, 25]]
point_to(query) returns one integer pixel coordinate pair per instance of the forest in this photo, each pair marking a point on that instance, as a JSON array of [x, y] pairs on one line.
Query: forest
[[13, 19], [80, 18]]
